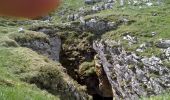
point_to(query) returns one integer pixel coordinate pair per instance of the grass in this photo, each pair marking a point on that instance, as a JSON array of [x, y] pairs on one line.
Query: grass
[[28, 36], [24, 92], [164, 96], [13, 63]]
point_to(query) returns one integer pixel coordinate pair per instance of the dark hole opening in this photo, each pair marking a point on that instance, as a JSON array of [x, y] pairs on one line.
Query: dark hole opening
[[98, 97]]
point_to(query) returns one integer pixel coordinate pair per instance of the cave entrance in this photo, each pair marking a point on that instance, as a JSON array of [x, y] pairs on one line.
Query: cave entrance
[[98, 97]]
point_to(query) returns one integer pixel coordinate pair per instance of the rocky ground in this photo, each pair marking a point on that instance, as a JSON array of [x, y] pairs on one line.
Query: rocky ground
[[88, 49]]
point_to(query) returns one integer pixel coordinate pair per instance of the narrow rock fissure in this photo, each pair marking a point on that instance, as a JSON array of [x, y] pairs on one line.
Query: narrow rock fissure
[[91, 82], [71, 59]]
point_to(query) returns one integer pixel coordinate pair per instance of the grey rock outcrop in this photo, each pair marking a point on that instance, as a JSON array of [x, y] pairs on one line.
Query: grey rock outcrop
[[105, 89], [48, 45], [99, 26], [131, 76]]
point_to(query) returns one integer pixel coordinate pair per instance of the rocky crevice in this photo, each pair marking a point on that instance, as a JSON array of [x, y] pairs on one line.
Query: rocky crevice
[[76, 49], [50, 79], [75, 40]]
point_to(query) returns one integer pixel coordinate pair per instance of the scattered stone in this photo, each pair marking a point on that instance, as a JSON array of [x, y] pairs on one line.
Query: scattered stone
[[143, 47], [110, 1], [163, 44], [130, 39], [153, 33], [149, 4], [167, 53], [96, 8], [73, 17], [108, 6], [154, 14], [139, 50], [82, 20], [152, 61], [21, 30]]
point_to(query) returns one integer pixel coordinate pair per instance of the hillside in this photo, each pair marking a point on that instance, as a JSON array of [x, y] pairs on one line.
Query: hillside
[[88, 50]]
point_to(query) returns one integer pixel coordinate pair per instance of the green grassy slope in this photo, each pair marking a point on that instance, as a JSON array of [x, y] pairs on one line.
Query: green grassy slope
[[13, 63]]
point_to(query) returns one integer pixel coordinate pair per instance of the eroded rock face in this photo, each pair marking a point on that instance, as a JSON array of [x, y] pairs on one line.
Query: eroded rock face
[[48, 45], [94, 77], [105, 89], [131, 76]]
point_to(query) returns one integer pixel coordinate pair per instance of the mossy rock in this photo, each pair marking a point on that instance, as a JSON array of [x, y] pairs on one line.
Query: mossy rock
[[87, 69]]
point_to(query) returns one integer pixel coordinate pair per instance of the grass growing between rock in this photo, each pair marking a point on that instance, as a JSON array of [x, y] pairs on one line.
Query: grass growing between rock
[[146, 21]]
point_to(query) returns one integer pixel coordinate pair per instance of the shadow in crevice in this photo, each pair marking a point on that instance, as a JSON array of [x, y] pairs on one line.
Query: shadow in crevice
[[98, 97]]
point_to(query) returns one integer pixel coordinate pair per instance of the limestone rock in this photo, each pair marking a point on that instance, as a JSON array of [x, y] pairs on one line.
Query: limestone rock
[[163, 44], [129, 75], [167, 53], [99, 26], [48, 45], [104, 85]]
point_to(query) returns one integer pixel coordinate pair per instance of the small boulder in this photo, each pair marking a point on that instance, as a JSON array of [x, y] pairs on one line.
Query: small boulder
[[163, 44]]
